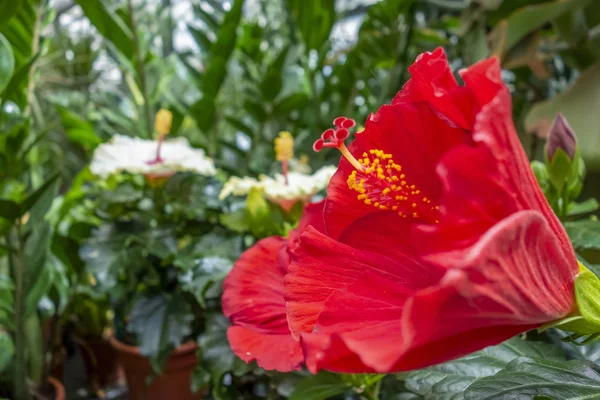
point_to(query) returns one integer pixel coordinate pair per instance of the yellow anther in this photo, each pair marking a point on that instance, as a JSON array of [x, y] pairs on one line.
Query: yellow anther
[[163, 122], [414, 205], [284, 146], [386, 191]]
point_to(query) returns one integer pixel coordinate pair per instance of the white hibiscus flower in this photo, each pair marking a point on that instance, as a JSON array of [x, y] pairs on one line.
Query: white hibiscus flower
[[300, 187], [153, 158], [287, 188]]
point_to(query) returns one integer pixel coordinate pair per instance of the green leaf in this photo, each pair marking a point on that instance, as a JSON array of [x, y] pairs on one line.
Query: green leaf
[[7, 349], [201, 38], [240, 125], [314, 19], [528, 19], [35, 347], [202, 274], [526, 378], [584, 234], [7, 59], [78, 130], [36, 251], [109, 25], [6, 301], [578, 103], [221, 50], [585, 207], [15, 90], [40, 200], [320, 387], [8, 9], [273, 79], [204, 113], [448, 381], [215, 352], [587, 293], [9, 210], [161, 324]]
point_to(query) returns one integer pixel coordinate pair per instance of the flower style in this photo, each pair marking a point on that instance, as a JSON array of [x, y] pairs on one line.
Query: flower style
[[287, 188], [138, 156], [253, 300], [437, 241]]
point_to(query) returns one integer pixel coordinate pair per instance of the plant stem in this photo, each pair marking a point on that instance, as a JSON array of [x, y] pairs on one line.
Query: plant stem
[[21, 389], [147, 110]]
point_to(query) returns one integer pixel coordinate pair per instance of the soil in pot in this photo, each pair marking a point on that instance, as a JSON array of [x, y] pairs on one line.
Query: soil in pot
[[101, 362], [175, 381]]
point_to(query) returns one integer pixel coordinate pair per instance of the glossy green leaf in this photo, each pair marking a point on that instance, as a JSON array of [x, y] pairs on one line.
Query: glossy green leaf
[[320, 387], [161, 324], [110, 25], [526, 378], [584, 234], [214, 349], [203, 273], [7, 61], [449, 380]]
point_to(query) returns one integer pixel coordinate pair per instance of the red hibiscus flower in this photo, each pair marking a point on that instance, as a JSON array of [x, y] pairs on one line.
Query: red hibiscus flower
[[438, 240], [253, 300]]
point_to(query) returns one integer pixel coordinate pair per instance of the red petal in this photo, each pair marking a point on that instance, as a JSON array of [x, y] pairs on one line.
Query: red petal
[[312, 216], [322, 267], [271, 352], [514, 279], [253, 301], [433, 81], [476, 198], [415, 137]]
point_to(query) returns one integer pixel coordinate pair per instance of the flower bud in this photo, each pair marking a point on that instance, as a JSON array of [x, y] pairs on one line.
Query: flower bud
[[561, 136]]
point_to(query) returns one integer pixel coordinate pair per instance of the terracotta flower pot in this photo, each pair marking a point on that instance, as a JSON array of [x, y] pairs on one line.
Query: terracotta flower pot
[[101, 362], [59, 389], [175, 381]]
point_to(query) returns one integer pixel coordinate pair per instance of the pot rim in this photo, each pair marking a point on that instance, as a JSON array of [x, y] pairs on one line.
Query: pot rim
[[187, 347], [59, 389]]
